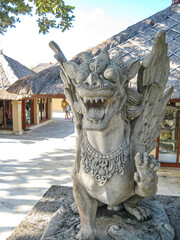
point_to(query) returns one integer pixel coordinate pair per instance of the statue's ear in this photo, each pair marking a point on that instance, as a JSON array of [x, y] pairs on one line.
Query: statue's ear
[[132, 68], [71, 69]]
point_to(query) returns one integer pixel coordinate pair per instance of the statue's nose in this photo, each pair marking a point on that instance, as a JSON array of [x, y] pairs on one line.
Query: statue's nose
[[93, 80]]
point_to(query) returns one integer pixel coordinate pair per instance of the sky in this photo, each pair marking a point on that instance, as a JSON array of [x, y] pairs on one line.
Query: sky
[[95, 22]]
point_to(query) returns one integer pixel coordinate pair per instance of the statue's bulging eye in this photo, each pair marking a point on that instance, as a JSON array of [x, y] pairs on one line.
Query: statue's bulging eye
[[92, 67], [111, 74], [81, 76], [99, 69]]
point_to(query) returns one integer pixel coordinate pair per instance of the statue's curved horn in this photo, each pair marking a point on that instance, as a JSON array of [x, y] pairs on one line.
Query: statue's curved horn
[[58, 53]]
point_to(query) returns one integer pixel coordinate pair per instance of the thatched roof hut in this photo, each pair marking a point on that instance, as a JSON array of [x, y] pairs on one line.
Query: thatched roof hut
[[134, 42], [46, 82], [42, 66], [4, 95], [10, 71]]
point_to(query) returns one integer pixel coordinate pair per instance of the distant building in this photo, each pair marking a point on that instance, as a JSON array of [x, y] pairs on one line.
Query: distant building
[[19, 112], [56, 101]]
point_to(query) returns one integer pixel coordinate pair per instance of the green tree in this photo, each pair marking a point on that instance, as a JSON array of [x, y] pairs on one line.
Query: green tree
[[51, 14]]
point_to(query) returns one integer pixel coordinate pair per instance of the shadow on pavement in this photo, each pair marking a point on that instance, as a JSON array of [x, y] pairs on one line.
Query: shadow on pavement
[[21, 181]]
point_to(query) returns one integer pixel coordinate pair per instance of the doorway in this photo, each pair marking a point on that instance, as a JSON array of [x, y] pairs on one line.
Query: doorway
[[27, 113], [6, 117], [43, 109], [169, 141]]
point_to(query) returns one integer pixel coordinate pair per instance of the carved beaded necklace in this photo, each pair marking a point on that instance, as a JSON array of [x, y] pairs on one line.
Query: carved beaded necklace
[[103, 166]]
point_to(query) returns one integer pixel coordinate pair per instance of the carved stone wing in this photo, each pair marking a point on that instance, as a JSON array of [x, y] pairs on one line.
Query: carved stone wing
[[69, 89], [151, 83]]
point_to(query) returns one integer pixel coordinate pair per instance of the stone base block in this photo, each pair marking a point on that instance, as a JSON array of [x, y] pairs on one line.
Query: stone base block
[[54, 216]]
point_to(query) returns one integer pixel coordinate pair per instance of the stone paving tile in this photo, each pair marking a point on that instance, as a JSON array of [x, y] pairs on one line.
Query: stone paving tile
[[32, 162]]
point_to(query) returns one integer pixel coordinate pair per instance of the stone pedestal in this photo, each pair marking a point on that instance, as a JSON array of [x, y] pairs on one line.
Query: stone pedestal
[[54, 216]]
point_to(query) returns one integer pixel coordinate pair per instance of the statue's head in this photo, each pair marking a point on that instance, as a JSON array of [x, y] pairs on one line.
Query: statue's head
[[100, 86]]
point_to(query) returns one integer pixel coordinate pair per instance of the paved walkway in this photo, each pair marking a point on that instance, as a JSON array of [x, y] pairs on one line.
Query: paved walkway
[[31, 163]]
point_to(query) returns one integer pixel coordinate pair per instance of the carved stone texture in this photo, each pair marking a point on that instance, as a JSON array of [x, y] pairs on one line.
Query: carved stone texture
[[58, 197], [102, 167], [111, 225], [117, 128]]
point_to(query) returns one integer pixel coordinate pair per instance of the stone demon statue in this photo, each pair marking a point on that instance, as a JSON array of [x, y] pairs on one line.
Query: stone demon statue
[[117, 128]]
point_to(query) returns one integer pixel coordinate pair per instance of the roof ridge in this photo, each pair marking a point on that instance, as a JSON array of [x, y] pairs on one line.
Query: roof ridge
[[13, 69], [7, 69], [132, 30], [149, 28]]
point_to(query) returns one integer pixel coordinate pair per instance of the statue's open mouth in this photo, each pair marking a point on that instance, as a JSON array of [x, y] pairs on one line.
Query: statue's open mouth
[[95, 108], [98, 106]]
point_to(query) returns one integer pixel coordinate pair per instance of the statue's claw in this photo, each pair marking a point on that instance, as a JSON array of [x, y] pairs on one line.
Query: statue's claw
[[139, 212], [145, 176], [86, 233], [116, 208], [74, 208]]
